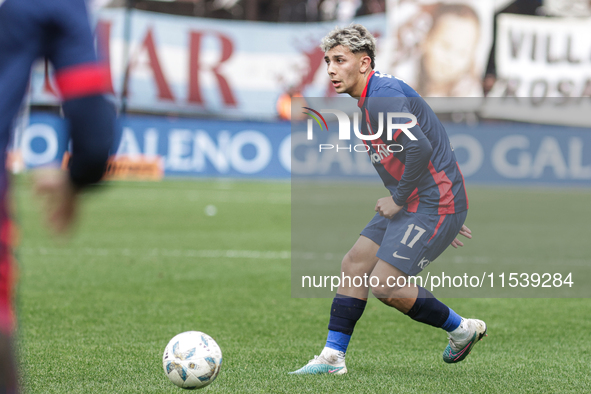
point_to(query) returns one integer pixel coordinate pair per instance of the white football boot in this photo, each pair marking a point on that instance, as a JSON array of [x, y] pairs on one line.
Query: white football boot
[[330, 361], [457, 350]]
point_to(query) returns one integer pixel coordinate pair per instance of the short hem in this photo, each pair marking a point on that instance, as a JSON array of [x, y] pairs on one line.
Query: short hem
[[401, 266], [377, 239]]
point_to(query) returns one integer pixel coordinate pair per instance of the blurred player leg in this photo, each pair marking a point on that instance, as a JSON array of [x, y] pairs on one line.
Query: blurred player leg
[[8, 381], [7, 366]]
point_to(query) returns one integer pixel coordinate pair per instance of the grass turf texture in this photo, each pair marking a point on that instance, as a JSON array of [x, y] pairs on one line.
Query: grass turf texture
[[147, 263]]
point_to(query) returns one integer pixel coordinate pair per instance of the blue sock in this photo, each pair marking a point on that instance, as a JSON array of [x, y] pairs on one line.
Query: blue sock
[[338, 341], [452, 322], [344, 313], [429, 310]]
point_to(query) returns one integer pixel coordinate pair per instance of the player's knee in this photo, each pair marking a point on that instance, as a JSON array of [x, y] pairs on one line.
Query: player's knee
[[351, 259], [382, 291], [379, 292], [387, 288], [353, 255]]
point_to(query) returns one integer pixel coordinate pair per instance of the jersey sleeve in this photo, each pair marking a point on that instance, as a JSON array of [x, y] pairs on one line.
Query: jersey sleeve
[[418, 155], [70, 48], [82, 80], [416, 145]]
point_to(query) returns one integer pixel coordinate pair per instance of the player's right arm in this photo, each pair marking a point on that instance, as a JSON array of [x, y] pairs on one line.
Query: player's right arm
[[82, 81]]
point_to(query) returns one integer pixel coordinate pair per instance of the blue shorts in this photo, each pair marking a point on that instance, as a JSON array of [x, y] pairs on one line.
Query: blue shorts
[[410, 241]]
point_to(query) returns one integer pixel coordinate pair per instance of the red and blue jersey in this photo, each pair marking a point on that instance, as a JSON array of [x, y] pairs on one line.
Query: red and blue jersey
[[423, 174]]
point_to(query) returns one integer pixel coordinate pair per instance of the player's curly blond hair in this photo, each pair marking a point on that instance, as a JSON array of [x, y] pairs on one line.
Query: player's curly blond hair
[[355, 37]]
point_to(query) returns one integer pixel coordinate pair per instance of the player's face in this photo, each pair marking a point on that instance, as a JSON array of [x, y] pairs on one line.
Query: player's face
[[347, 70]]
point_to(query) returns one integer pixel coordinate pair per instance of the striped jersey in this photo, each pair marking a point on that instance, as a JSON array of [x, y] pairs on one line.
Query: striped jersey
[[416, 164]]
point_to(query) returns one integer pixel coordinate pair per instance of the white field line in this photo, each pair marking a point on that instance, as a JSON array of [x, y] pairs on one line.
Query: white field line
[[242, 254], [267, 255]]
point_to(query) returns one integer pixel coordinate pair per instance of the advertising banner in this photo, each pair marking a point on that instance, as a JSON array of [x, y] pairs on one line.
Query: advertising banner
[[543, 67], [205, 66], [184, 147], [522, 154], [493, 152], [488, 153]]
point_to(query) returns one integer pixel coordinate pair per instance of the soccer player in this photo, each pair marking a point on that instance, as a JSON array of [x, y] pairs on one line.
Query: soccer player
[[423, 214], [60, 31]]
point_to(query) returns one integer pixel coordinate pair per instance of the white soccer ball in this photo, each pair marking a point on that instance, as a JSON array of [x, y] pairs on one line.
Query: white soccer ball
[[192, 360]]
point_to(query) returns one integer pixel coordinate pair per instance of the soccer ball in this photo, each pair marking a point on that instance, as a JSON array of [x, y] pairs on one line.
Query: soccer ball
[[192, 360]]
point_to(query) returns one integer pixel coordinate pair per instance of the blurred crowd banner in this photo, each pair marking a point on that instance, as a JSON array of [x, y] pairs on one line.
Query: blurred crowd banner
[[543, 70], [205, 66], [165, 64], [493, 153], [440, 48], [182, 147]]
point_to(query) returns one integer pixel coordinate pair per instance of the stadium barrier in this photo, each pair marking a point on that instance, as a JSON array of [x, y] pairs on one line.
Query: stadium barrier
[[494, 153]]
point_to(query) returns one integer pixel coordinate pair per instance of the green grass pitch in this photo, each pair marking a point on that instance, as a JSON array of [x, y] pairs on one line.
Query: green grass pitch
[[147, 263]]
